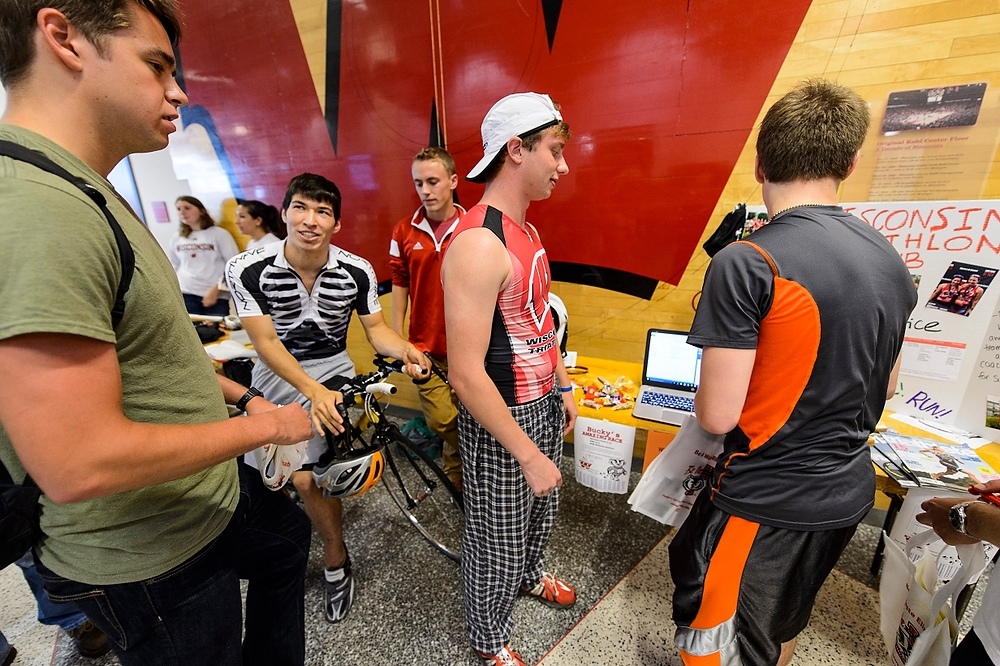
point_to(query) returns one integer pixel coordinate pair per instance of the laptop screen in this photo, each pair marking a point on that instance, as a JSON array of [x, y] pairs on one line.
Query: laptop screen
[[671, 362]]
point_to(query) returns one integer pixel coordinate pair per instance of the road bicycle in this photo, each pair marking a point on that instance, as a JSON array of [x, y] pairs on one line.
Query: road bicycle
[[416, 484]]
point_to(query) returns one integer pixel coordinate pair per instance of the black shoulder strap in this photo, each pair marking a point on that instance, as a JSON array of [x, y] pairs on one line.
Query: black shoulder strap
[[493, 220], [6, 480], [125, 252]]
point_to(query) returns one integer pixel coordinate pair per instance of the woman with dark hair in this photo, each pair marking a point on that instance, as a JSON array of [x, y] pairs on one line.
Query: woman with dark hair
[[199, 253], [261, 222]]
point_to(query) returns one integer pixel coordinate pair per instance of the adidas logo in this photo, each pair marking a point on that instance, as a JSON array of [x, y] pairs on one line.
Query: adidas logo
[[418, 246]]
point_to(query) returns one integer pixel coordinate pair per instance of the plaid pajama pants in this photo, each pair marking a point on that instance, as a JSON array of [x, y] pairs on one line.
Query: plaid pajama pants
[[506, 526]]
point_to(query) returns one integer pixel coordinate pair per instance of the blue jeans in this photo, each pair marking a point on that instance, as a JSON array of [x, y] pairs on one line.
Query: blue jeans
[[192, 614], [67, 616], [194, 306]]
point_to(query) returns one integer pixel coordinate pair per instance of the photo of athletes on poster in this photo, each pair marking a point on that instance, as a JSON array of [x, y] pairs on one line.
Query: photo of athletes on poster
[[961, 287]]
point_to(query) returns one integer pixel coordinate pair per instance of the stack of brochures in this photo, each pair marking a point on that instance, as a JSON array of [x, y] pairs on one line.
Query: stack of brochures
[[921, 462]]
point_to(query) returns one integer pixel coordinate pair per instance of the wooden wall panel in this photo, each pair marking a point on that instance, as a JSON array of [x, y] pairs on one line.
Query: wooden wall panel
[[310, 17]]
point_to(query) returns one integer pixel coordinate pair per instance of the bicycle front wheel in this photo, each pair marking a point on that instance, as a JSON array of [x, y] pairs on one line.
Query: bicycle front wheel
[[424, 494]]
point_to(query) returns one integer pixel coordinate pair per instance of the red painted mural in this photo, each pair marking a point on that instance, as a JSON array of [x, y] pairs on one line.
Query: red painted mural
[[661, 96]]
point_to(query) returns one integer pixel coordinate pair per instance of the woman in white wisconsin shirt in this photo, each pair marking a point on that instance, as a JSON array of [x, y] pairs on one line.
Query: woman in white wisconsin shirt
[[199, 252]]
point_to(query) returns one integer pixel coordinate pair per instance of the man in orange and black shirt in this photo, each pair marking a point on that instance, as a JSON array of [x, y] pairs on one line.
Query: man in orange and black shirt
[[796, 371]]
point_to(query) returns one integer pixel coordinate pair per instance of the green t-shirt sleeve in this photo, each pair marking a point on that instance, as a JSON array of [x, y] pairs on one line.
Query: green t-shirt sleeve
[[59, 265]]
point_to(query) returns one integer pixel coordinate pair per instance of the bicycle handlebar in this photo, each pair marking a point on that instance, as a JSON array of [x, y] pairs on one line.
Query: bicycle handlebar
[[374, 382], [393, 365]]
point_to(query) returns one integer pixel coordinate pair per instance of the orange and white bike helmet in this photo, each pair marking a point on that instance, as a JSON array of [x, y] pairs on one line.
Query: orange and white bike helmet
[[344, 473]]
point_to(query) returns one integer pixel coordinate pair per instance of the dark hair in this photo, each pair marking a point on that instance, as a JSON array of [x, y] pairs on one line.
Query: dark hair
[[317, 188], [205, 219], [268, 214], [529, 141], [96, 19], [811, 133], [437, 154]]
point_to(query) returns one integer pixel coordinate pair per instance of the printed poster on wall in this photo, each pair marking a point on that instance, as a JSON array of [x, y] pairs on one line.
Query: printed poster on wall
[[931, 144], [603, 454]]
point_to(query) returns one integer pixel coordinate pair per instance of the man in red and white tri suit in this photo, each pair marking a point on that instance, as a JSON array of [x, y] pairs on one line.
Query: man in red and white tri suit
[[417, 246], [505, 366]]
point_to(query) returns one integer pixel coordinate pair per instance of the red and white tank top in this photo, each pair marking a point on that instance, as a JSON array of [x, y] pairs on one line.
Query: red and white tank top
[[522, 355]]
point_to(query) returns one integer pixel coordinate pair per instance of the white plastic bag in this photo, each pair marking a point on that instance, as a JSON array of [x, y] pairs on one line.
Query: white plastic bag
[[918, 618], [670, 485], [276, 463], [905, 526]]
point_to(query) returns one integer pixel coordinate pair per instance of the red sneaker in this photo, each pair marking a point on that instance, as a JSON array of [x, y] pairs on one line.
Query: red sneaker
[[506, 657], [553, 592]]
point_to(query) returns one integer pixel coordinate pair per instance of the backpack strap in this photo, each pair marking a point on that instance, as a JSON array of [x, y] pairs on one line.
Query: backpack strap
[[763, 253], [125, 252]]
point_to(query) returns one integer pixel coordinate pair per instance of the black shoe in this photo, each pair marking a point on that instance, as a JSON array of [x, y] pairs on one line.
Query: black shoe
[[89, 640], [10, 657], [339, 584]]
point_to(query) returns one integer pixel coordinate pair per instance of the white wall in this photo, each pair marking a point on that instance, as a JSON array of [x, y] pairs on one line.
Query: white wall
[[188, 166], [156, 181]]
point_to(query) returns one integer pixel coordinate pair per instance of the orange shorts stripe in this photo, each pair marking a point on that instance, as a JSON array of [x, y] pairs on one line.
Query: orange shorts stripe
[[721, 590]]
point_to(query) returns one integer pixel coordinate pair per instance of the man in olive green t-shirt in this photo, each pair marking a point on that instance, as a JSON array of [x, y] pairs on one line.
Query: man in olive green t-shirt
[[124, 427]]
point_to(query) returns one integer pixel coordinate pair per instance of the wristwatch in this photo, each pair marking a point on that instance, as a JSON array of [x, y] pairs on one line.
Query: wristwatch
[[247, 397], [957, 516]]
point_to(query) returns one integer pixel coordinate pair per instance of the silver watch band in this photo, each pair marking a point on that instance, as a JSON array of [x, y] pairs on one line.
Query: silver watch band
[[958, 517]]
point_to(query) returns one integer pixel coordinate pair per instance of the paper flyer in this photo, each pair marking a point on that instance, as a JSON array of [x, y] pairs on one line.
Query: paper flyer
[[934, 359], [603, 454]]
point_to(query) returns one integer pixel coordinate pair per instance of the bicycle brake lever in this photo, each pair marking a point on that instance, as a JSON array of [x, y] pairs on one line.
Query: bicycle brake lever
[[433, 370], [346, 422]]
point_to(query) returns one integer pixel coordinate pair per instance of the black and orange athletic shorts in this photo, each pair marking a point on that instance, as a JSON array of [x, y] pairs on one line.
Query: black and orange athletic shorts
[[742, 588]]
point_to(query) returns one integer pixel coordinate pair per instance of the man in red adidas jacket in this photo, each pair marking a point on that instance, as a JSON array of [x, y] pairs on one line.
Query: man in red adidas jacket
[[418, 243]]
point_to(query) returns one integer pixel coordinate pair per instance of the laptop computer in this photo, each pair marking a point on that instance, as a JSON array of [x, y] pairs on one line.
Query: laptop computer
[[671, 372]]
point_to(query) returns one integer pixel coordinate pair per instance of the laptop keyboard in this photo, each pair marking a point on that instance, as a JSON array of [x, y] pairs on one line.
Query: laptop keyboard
[[667, 400]]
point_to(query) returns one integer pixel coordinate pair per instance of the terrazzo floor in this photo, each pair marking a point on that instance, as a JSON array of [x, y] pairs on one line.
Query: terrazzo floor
[[407, 606]]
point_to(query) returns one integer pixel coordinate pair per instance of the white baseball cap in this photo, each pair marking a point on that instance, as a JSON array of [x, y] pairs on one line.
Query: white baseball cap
[[514, 115]]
